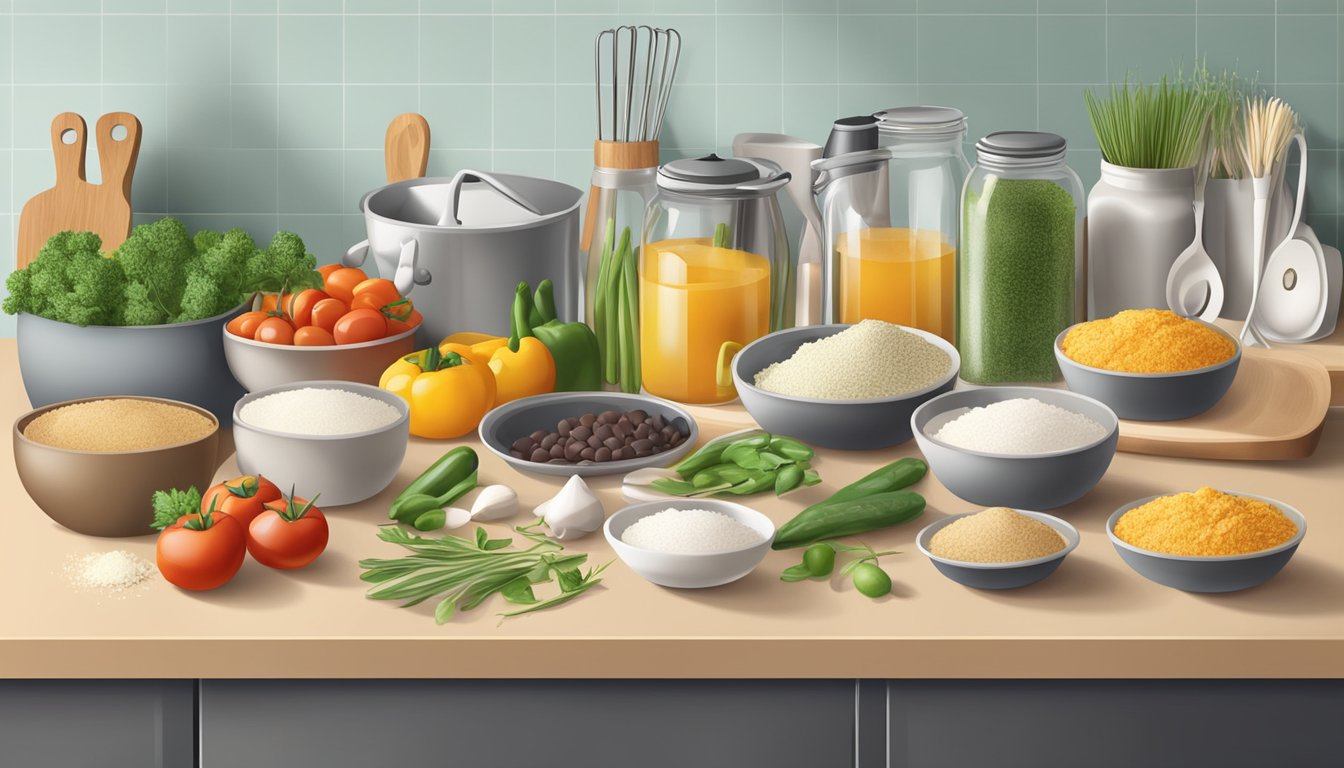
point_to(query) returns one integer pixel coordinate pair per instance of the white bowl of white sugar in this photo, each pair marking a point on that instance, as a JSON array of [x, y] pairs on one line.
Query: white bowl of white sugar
[[1020, 447], [850, 387], [690, 543], [340, 439]]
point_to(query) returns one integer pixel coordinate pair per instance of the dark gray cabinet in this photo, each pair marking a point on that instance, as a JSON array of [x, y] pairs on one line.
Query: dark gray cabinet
[[97, 723]]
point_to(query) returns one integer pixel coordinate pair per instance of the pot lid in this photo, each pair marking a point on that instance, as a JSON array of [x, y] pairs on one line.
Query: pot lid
[[920, 120], [714, 175], [1021, 145], [472, 199], [851, 134]]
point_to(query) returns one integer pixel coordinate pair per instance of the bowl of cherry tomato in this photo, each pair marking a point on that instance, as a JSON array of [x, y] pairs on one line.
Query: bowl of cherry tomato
[[349, 330]]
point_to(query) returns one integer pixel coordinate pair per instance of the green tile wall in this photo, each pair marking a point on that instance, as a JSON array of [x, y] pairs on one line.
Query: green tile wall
[[270, 113]]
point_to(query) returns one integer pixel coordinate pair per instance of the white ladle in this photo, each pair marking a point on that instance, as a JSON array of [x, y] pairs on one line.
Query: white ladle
[[1259, 221], [1194, 286]]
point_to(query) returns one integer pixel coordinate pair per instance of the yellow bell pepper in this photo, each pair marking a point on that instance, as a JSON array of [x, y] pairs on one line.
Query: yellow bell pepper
[[448, 394], [480, 357], [523, 367], [468, 338]]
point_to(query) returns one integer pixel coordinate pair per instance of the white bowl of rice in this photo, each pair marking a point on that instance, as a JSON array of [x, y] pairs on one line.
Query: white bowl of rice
[[340, 439], [850, 387], [690, 543]]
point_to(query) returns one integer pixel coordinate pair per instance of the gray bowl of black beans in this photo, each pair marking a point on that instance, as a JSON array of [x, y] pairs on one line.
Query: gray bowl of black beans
[[588, 433]]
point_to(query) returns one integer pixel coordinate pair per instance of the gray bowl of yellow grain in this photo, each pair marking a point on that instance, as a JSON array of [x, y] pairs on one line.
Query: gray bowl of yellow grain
[[997, 548], [1149, 364], [1207, 540], [850, 387]]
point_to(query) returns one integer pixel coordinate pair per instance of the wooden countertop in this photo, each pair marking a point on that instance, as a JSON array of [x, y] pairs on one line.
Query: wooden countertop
[[1094, 618]]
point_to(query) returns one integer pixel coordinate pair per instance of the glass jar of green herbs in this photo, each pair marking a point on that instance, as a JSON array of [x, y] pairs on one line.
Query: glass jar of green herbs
[[1020, 270]]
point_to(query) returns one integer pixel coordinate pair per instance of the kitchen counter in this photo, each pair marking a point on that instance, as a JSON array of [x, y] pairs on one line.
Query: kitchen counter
[[1094, 618]]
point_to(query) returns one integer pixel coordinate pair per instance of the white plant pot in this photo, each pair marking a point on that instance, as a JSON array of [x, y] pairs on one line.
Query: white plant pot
[[1138, 221]]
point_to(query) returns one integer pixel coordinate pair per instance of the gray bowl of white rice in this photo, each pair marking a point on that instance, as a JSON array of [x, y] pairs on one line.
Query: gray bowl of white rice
[[690, 543], [340, 439], [1022, 447], [854, 392]]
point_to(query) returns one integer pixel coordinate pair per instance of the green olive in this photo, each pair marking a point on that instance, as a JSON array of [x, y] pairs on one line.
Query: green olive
[[871, 580], [819, 559]]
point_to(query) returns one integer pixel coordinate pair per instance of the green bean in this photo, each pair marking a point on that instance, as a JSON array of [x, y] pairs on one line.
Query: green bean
[[600, 291], [630, 274]]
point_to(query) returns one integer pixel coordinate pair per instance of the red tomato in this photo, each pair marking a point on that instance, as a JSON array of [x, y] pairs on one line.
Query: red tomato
[[289, 534], [326, 312], [275, 330], [240, 498], [312, 336], [360, 325], [300, 308], [378, 288], [245, 325], [340, 284], [203, 556], [327, 269]]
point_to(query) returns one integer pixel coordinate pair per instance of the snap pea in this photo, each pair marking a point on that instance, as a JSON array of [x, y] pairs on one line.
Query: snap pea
[[834, 519], [408, 507], [710, 454], [432, 520], [788, 478], [450, 469], [791, 449]]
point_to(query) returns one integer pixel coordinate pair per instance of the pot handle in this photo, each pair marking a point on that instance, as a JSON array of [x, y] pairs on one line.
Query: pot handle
[[356, 254], [449, 217], [408, 274]]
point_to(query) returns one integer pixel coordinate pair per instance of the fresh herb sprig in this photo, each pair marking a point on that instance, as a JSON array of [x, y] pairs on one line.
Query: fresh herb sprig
[[1159, 125]]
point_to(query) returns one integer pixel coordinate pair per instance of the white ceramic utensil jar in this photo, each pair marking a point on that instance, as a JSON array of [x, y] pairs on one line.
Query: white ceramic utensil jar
[[1138, 221]]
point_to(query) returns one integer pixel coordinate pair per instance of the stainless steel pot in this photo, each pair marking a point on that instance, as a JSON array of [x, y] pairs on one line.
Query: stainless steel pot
[[462, 245]]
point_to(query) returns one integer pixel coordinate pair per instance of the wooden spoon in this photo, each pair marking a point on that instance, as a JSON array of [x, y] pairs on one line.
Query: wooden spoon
[[406, 148]]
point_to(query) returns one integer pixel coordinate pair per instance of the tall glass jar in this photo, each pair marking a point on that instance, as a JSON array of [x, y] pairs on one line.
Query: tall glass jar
[[891, 217], [1020, 277], [715, 274]]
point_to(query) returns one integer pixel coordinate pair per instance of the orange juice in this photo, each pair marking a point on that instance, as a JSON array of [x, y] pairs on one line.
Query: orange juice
[[693, 299], [903, 276]]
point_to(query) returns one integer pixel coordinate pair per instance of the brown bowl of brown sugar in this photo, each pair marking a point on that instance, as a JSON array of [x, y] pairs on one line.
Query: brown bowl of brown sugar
[[93, 464]]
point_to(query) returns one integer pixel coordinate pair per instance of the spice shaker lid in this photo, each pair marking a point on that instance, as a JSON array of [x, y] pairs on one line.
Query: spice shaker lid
[[921, 120], [1021, 145], [851, 134], [716, 175]]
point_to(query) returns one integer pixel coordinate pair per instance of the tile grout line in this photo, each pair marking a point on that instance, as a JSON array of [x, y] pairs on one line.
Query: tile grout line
[[345, 119], [277, 118]]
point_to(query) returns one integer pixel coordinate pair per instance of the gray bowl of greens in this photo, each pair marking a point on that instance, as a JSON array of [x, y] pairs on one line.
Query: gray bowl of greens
[[148, 319]]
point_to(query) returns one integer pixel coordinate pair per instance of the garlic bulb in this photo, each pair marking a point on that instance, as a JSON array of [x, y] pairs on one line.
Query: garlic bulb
[[573, 512]]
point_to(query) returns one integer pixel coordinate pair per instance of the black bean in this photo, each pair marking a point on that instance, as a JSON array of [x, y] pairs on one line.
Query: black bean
[[620, 430], [549, 440], [657, 437], [602, 454], [603, 431], [537, 436], [587, 454], [642, 447], [562, 428], [621, 454], [587, 419], [677, 439], [523, 444], [609, 417], [642, 431], [658, 421], [613, 442], [573, 450], [637, 416], [582, 433], [557, 451], [540, 456], [594, 441]]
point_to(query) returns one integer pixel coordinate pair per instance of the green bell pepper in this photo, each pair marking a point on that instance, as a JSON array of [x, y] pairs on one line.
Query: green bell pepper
[[573, 346]]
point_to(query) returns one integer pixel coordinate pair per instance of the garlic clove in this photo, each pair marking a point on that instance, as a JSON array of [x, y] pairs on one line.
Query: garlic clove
[[457, 517], [494, 502], [572, 513]]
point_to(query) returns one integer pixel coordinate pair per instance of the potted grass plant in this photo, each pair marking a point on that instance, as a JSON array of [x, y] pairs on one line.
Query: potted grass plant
[[1140, 213]]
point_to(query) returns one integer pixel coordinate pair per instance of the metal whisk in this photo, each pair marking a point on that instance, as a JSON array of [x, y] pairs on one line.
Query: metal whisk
[[628, 50]]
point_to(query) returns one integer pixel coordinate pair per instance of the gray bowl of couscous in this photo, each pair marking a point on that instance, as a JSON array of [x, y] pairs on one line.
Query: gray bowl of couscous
[[858, 397]]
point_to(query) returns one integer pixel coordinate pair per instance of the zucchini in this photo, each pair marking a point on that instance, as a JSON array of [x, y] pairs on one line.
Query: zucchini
[[835, 519]]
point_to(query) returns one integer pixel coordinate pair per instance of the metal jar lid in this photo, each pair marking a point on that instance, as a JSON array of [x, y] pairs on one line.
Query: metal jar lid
[[851, 134], [716, 176], [921, 121], [1021, 146]]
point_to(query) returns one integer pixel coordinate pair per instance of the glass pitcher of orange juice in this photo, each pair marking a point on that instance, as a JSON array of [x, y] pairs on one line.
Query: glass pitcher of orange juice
[[714, 274], [889, 207]]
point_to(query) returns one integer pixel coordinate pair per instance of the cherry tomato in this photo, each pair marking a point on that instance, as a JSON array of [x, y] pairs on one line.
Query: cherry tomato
[[340, 284], [245, 325], [359, 325], [395, 325], [300, 308], [241, 498], [312, 336], [201, 551], [275, 302], [289, 534], [327, 269], [275, 330], [378, 287], [326, 312]]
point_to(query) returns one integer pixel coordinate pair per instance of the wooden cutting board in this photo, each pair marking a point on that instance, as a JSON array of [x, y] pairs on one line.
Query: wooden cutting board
[[74, 203], [1275, 410], [1329, 352], [406, 147]]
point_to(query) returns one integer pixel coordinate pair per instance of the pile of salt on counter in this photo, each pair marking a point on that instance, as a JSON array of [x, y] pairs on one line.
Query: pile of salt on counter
[[690, 532], [318, 411], [113, 571], [1022, 425]]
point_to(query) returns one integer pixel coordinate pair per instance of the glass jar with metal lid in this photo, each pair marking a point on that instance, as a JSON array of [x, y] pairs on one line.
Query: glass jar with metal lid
[[714, 274], [1020, 276], [889, 190]]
